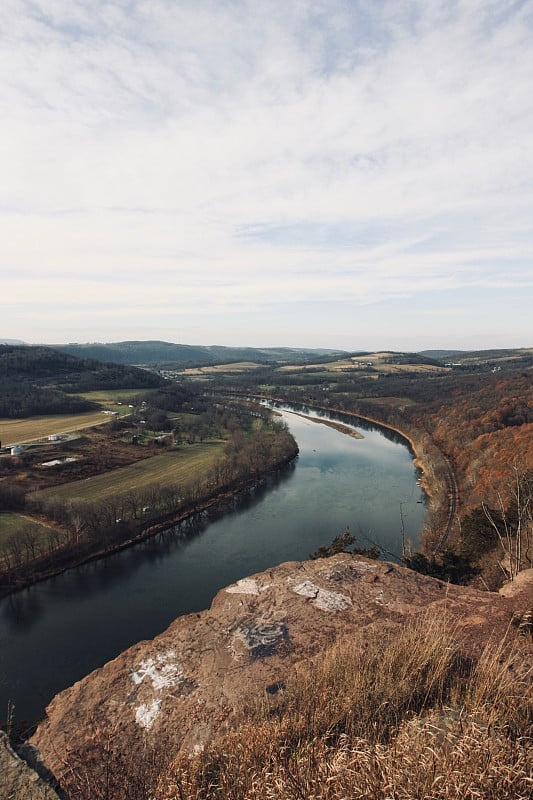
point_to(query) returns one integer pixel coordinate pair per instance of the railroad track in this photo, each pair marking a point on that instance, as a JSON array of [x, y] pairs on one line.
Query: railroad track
[[453, 501]]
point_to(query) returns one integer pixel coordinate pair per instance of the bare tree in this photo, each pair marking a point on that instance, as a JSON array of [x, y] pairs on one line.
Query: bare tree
[[514, 524], [30, 540]]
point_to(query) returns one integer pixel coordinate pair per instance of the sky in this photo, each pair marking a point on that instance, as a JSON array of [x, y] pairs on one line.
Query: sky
[[353, 174]]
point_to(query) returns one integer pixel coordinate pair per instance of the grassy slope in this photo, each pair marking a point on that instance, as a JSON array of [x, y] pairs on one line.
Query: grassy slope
[[177, 467], [111, 396]]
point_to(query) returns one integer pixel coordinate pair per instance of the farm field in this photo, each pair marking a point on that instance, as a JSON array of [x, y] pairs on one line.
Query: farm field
[[14, 431], [180, 467], [219, 369], [117, 399], [403, 368], [376, 361]]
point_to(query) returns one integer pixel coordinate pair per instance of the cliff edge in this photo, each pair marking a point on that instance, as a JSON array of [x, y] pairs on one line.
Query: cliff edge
[[178, 690]]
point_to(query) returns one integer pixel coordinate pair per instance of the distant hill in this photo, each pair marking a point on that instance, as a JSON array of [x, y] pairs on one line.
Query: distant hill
[[40, 380], [167, 354], [440, 355], [518, 358]]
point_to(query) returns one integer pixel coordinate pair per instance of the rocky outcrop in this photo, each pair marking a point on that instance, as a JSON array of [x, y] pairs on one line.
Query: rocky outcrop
[[18, 781], [178, 689]]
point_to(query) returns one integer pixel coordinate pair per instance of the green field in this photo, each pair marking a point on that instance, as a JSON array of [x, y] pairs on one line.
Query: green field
[[13, 431], [179, 467], [109, 398]]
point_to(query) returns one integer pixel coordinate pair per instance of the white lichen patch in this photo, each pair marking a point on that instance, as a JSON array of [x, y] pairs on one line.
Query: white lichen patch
[[146, 715], [163, 671], [306, 589], [323, 598], [331, 601], [244, 586]]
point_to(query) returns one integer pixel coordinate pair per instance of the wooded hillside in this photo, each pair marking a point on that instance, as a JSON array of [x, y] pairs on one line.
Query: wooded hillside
[[155, 353], [38, 380]]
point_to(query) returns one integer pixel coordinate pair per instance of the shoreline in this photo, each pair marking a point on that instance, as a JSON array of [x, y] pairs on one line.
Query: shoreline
[[453, 486], [228, 493], [338, 426], [224, 496], [417, 461]]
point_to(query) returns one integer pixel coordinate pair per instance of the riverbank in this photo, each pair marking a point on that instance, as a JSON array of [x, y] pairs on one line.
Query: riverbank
[[418, 461], [437, 478], [337, 426], [218, 499]]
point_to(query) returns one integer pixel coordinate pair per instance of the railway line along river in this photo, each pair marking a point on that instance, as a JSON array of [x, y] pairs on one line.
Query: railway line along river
[[57, 631]]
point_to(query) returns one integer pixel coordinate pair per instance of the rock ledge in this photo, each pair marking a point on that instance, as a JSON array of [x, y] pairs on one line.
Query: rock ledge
[[179, 688]]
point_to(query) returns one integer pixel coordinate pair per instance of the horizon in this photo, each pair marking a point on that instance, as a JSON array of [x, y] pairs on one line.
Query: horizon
[[370, 351], [339, 175]]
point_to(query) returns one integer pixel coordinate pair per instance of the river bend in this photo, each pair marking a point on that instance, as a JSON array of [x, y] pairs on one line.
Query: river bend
[[55, 632]]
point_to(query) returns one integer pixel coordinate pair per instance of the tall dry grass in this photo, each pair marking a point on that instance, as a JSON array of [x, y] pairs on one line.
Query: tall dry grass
[[404, 716]]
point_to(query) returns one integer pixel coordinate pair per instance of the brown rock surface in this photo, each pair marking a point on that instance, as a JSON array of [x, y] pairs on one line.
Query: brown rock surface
[[177, 689]]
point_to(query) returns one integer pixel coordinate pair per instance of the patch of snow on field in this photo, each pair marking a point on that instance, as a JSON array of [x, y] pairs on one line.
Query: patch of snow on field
[[56, 462]]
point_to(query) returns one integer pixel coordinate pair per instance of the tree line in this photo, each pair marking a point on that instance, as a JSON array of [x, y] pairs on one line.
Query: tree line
[[75, 530]]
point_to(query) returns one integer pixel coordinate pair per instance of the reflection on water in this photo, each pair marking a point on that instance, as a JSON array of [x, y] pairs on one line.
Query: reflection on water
[[59, 630]]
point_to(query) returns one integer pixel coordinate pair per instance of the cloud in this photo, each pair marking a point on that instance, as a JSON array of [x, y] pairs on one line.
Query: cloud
[[217, 152]]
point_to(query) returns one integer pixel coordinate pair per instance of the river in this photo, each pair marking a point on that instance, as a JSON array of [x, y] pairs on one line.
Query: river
[[55, 632]]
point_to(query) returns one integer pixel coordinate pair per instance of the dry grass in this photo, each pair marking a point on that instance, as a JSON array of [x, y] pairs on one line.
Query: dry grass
[[221, 369], [406, 717], [398, 369], [13, 431]]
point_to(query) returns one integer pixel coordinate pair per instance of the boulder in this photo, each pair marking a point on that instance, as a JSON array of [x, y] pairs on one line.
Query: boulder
[[175, 691]]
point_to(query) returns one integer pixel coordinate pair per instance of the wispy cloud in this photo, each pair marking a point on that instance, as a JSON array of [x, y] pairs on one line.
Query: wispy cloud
[[217, 154]]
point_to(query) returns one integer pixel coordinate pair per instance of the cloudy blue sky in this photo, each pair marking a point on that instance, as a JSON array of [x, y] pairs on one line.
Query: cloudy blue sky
[[320, 173]]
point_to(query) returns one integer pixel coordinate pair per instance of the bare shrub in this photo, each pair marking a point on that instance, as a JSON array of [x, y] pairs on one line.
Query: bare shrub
[[105, 771]]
